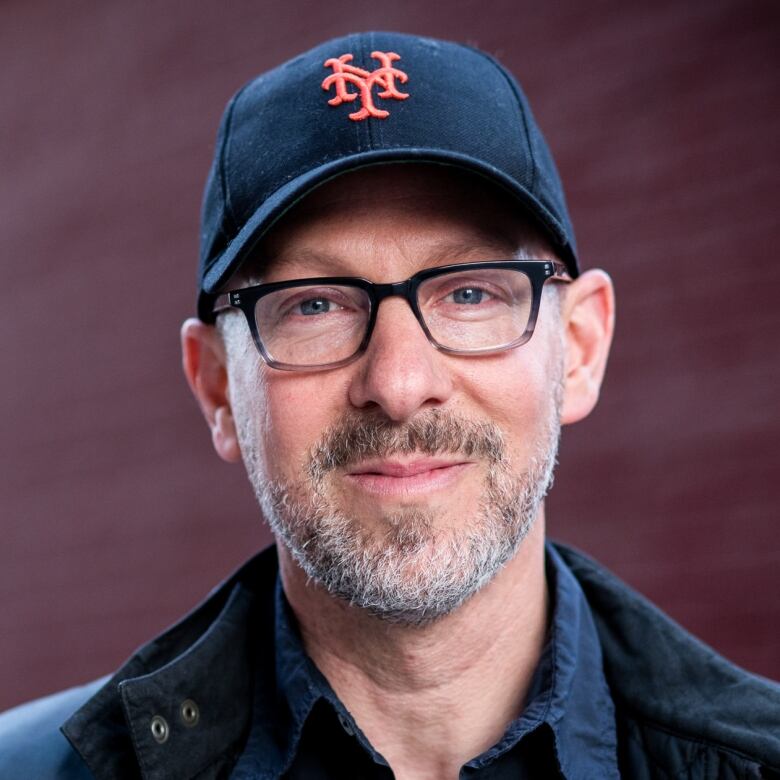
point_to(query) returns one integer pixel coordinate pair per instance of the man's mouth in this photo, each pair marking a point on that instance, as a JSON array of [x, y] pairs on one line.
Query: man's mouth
[[391, 477]]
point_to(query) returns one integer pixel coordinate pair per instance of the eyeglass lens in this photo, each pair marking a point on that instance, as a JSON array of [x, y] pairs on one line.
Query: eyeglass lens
[[465, 310]]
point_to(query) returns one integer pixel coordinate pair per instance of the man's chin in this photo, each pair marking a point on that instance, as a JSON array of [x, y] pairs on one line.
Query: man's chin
[[412, 574], [399, 525]]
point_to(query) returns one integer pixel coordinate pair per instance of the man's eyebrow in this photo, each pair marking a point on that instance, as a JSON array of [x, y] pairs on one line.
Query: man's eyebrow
[[503, 246], [320, 262]]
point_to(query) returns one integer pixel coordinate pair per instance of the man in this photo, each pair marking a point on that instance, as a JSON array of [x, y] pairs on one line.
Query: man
[[392, 328]]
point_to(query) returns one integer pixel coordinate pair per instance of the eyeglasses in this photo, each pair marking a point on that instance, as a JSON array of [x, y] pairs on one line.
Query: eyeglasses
[[326, 322]]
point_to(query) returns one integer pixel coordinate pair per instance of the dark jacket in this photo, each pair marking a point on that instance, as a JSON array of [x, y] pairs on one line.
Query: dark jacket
[[682, 711]]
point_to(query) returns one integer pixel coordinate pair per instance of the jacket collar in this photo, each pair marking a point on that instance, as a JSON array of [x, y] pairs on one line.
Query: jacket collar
[[206, 658]]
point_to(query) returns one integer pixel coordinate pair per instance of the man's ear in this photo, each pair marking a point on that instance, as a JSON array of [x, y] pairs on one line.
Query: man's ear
[[588, 316], [205, 366]]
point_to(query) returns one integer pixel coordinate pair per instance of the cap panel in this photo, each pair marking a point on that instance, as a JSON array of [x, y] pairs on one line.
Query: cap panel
[[441, 102], [547, 186], [284, 126], [218, 227], [458, 100]]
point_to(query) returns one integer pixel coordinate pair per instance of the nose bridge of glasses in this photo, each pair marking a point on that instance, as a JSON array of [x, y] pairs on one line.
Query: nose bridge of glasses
[[405, 290], [399, 289]]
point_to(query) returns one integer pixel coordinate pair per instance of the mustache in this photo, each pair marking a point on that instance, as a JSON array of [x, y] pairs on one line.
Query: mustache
[[357, 437]]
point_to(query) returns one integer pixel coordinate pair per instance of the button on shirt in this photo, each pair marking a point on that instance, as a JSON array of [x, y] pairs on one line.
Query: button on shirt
[[567, 727]]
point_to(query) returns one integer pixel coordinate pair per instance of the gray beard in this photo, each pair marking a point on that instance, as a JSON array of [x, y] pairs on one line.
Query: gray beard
[[413, 571]]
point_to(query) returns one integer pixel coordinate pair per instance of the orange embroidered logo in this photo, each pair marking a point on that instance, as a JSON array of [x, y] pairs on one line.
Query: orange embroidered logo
[[383, 76]]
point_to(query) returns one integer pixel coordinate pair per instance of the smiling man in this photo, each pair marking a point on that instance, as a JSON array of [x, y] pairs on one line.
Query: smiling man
[[392, 329]]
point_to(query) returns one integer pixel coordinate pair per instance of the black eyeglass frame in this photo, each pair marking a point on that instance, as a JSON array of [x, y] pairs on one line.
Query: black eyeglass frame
[[246, 298]]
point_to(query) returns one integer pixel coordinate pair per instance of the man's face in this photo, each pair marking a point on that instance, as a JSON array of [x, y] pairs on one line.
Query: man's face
[[403, 481]]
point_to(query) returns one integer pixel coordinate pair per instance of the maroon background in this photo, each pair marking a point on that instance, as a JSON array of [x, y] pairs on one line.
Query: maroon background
[[115, 516]]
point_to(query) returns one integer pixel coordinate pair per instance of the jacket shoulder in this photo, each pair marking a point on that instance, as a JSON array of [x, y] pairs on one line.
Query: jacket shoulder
[[31, 743], [647, 750], [672, 688]]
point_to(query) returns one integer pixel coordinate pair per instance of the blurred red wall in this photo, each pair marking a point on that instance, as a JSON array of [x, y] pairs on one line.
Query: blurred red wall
[[115, 515]]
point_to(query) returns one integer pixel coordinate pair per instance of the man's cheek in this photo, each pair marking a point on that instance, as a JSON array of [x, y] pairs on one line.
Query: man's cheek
[[285, 448], [295, 419]]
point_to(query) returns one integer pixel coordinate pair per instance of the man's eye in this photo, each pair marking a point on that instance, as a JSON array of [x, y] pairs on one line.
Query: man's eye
[[315, 306], [468, 295]]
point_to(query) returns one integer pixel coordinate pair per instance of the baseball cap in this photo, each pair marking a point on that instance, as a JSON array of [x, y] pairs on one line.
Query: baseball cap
[[367, 99]]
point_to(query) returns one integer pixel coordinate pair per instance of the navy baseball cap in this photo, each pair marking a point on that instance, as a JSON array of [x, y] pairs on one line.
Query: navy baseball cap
[[367, 99]]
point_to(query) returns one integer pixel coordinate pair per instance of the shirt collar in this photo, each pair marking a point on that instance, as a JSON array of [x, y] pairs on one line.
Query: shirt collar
[[279, 719], [568, 693], [581, 711]]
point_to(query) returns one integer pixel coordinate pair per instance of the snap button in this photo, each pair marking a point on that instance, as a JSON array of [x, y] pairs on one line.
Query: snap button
[[159, 727], [190, 714], [345, 725]]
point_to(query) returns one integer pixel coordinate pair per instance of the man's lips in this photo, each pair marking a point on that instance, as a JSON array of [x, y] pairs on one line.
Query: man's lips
[[397, 478]]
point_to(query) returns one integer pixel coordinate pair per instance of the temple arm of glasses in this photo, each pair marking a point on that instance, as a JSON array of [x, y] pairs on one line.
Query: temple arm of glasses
[[222, 303], [560, 272]]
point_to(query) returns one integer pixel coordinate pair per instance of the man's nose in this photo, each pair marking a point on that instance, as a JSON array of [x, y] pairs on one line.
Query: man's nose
[[401, 371]]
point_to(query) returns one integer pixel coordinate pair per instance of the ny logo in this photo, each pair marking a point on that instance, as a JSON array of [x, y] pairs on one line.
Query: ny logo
[[384, 77]]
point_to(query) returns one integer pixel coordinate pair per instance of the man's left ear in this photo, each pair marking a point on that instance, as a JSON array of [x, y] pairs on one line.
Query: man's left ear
[[588, 320]]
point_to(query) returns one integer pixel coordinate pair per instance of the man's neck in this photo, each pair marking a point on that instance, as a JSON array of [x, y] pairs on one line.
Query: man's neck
[[430, 698]]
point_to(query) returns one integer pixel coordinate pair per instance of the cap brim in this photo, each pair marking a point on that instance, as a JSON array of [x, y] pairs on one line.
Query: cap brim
[[274, 207]]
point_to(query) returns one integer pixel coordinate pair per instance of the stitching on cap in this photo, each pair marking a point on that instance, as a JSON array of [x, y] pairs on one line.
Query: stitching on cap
[[513, 86], [226, 139]]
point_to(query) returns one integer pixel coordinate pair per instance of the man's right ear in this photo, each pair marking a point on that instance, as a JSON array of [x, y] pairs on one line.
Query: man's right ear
[[205, 365]]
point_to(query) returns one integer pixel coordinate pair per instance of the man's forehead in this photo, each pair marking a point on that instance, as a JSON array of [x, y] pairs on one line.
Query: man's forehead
[[460, 213]]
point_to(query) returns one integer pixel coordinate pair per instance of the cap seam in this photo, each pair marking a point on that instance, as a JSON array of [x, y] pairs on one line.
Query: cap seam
[[223, 152], [513, 86]]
